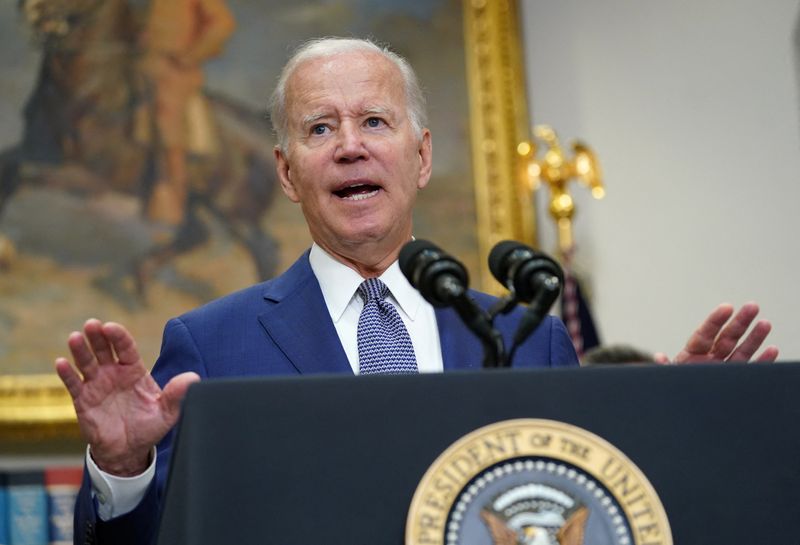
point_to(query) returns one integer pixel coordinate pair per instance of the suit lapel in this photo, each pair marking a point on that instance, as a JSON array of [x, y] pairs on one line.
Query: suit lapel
[[299, 323]]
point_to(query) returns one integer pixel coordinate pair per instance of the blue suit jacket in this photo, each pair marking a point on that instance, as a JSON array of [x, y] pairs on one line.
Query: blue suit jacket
[[282, 327]]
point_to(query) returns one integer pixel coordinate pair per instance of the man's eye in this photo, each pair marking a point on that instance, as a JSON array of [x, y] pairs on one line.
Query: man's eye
[[319, 129], [374, 122]]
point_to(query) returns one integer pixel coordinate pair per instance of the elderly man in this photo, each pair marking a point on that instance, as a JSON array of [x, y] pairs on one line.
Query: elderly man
[[353, 152]]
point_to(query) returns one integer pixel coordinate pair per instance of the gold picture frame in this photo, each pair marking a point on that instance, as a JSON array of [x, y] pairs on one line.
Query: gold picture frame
[[36, 409], [36, 412]]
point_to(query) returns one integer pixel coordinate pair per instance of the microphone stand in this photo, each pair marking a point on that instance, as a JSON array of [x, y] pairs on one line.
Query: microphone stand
[[537, 310], [478, 321]]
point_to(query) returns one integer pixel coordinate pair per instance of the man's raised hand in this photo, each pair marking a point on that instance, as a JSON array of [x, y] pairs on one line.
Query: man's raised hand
[[718, 338], [122, 412]]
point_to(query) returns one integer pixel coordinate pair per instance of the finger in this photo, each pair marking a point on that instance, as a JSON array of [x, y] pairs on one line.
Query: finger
[[84, 358], [72, 381], [752, 342], [727, 340], [702, 340], [122, 342], [661, 358], [93, 329], [174, 392], [769, 355]]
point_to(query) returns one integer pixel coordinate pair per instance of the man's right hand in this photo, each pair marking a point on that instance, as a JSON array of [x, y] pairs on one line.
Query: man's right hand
[[122, 412]]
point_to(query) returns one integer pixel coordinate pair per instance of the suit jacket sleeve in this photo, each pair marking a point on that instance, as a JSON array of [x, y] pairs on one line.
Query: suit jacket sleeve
[[549, 346], [139, 527]]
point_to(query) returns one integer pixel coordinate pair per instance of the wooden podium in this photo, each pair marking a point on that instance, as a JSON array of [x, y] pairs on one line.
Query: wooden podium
[[299, 461]]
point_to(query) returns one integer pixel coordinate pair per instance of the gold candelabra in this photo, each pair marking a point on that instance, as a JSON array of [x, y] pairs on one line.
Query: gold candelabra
[[556, 170]]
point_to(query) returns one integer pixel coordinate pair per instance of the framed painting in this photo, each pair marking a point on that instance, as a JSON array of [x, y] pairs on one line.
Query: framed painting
[[111, 208]]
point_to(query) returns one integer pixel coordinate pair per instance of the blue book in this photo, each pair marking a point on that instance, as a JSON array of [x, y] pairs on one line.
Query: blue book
[[62, 484], [4, 539], [27, 508]]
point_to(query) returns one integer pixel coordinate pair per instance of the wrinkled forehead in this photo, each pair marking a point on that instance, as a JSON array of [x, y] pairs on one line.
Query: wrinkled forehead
[[344, 70]]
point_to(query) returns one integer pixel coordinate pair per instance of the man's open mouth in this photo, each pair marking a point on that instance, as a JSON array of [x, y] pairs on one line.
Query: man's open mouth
[[357, 192]]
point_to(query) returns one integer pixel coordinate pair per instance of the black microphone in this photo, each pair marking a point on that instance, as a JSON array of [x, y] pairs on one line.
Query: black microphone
[[524, 271], [442, 280], [532, 277]]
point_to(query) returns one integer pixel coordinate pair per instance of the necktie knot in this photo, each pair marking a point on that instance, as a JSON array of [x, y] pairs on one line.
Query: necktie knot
[[372, 289]]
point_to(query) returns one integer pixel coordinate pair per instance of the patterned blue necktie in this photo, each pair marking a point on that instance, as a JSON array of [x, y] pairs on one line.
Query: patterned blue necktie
[[383, 342]]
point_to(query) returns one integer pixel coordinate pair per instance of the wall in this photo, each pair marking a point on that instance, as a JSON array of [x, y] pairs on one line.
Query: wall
[[694, 110]]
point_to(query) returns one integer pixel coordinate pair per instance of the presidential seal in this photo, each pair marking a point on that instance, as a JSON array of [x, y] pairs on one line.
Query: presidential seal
[[535, 482]]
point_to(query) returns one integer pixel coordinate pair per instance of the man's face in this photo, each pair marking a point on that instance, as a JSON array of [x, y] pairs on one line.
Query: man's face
[[353, 161]]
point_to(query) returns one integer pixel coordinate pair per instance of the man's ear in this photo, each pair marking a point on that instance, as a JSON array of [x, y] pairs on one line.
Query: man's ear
[[425, 158], [285, 174]]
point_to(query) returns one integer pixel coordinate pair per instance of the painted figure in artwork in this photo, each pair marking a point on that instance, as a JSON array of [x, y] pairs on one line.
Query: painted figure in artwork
[[119, 108], [179, 36]]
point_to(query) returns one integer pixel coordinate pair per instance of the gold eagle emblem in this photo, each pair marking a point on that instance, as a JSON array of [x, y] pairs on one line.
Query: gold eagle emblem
[[571, 533]]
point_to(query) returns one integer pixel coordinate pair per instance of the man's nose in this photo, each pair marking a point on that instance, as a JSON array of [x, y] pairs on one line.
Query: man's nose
[[350, 145]]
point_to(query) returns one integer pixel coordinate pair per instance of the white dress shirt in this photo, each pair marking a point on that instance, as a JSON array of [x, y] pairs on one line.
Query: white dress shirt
[[339, 283]]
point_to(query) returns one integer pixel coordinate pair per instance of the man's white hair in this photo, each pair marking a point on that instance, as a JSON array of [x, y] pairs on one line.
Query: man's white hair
[[328, 47]]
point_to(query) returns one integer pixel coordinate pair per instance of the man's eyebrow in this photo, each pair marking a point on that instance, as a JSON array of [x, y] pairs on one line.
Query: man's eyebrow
[[313, 118], [372, 110]]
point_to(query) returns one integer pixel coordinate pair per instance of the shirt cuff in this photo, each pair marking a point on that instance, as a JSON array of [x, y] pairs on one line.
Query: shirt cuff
[[117, 496]]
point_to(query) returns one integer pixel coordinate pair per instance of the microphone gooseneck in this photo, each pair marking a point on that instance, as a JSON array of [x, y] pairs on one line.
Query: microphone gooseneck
[[531, 277], [442, 280]]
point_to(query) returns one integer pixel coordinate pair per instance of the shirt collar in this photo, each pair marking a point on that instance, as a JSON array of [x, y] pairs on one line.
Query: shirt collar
[[339, 284]]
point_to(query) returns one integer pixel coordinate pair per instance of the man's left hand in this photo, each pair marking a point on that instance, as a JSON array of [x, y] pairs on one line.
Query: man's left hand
[[717, 338]]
